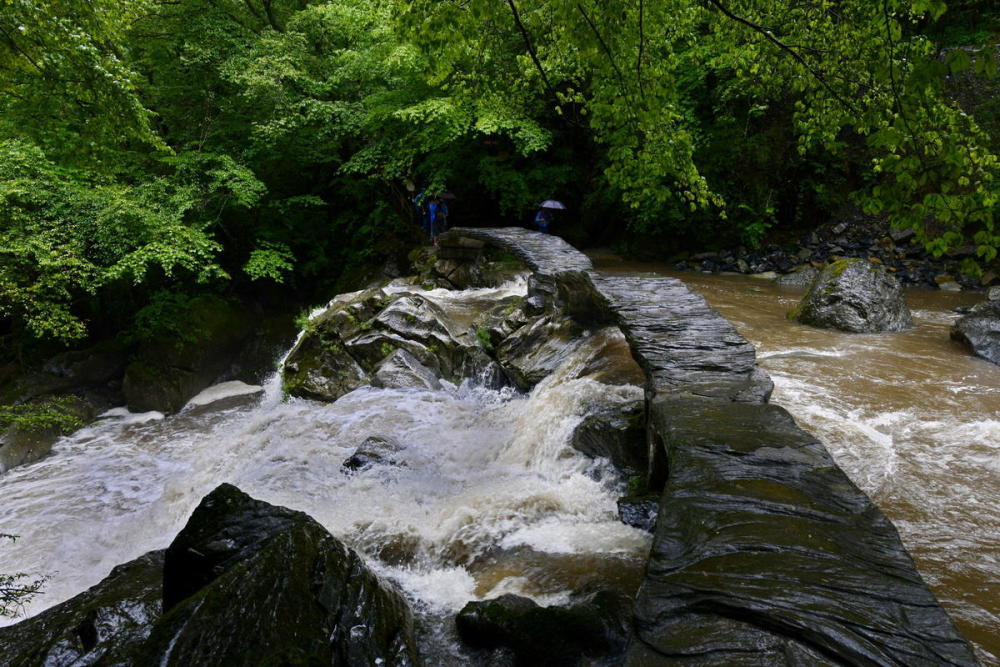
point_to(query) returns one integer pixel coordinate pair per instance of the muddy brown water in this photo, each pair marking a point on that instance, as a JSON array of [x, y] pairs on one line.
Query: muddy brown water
[[913, 418]]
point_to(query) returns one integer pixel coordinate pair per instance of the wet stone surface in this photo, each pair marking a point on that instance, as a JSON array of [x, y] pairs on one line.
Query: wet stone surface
[[680, 342], [763, 542], [980, 330]]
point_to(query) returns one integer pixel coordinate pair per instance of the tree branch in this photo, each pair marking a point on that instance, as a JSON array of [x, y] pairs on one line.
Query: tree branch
[[642, 45], [784, 47], [531, 49]]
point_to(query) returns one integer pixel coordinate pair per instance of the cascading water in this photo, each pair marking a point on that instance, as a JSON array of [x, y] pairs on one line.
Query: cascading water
[[486, 497]]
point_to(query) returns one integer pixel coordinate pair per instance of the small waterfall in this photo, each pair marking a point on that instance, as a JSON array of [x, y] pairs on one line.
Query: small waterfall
[[485, 495]]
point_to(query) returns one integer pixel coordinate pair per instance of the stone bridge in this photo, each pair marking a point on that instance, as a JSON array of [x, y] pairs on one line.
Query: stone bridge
[[764, 552]]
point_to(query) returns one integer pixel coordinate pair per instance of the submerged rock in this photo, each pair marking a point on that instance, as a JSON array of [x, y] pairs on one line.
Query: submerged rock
[[593, 627], [374, 450], [224, 396], [980, 330], [104, 624], [800, 277], [857, 296]]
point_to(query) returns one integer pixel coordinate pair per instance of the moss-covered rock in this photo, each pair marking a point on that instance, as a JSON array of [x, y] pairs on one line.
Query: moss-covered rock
[[854, 295], [322, 365], [28, 430]]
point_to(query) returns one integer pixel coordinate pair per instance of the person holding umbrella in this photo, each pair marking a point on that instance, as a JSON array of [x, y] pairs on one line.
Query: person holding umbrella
[[544, 216]]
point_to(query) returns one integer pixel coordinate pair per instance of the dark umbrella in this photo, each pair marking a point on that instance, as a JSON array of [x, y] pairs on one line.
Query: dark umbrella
[[552, 203]]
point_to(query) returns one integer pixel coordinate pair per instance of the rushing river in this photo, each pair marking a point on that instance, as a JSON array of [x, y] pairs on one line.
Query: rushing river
[[913, 419], [488, 496]]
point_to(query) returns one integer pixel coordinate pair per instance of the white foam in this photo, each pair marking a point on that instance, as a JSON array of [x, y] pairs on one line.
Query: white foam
[[222, 391]]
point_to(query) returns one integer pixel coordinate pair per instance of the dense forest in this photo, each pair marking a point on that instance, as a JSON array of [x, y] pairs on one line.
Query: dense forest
[[154, 151]]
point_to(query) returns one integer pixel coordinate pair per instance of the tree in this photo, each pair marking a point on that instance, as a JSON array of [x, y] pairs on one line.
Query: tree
[[17, 589], [851, 69]]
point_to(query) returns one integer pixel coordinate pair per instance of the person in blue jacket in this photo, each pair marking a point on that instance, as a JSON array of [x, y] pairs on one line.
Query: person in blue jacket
[[434, 212], [543, 219]]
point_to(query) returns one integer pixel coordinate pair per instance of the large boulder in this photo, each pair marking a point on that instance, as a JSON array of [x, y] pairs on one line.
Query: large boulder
[[854, 295], [166, 371], [320, 367], [244, 583], [104, 624], [375, 450], [980, 330]]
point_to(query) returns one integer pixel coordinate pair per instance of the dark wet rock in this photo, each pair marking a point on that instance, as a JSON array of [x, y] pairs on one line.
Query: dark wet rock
[[595, 626], [680, 342], [980, 330], [256, 360], [246, 582], [537, 349], [639, 511], [167, 371], [765, 553], [800, 277], [375, 450], [402, 370], [102, 625], [857, 296], [92, 367], [616, 432]]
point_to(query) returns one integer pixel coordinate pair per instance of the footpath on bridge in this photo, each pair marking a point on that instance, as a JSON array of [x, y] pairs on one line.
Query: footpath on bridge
[[764, 552]]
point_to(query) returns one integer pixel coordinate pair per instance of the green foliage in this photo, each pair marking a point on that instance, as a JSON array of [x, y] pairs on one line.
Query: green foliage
[[56, 413], [17, 589], [148, 148], [483, 336], [66, 234], [271, 260]]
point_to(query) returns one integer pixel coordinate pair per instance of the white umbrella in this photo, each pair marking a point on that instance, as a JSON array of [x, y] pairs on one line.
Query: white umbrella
[[552, 203]]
